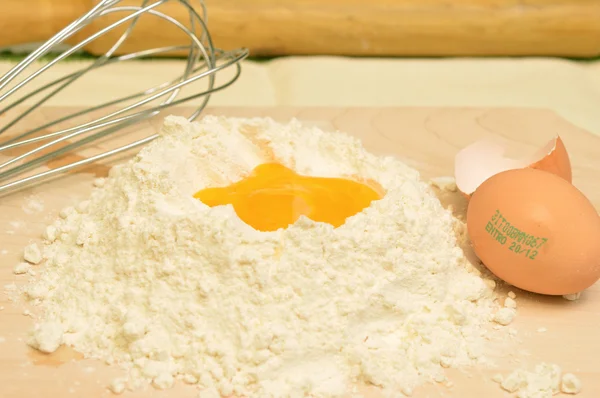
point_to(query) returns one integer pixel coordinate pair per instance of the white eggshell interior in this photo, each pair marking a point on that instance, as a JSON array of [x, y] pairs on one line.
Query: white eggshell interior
[[479, 161]]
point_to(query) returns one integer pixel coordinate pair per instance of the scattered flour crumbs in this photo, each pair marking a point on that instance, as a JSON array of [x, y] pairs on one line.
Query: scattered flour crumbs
[[145, 276], [544, 381]]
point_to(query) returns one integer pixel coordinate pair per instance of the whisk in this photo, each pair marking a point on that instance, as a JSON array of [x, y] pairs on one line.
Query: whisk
[[203, 62]]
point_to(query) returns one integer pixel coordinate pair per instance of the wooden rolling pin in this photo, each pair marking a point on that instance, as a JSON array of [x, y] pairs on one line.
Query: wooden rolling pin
[[343, 27]]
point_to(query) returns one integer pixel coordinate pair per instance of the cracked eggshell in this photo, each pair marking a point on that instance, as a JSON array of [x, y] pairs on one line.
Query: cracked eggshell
[[483, 159]]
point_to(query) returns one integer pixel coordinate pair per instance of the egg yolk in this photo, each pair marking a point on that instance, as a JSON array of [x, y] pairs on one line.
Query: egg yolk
[[274, 196]]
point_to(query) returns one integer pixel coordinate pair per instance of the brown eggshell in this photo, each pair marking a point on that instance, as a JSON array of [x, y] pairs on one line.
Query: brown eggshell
[[483, 159], [536, 231], [554, 159]]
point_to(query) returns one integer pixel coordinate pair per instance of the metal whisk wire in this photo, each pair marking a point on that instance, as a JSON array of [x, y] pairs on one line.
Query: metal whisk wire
[[203, 61]]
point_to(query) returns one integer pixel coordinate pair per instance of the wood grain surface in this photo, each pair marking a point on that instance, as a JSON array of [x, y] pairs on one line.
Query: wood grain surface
[[425, 138], [341, 27]]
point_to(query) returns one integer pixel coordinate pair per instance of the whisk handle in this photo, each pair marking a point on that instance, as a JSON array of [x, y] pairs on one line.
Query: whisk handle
[[31, 21]]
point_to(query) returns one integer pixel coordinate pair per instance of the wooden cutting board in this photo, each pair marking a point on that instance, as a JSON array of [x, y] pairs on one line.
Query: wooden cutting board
[[427, 139]]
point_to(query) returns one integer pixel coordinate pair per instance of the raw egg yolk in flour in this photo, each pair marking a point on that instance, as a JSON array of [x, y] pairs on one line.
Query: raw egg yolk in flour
[[274, 196]]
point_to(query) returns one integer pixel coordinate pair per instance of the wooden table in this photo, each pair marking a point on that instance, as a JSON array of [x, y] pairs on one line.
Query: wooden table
[[426, 138]]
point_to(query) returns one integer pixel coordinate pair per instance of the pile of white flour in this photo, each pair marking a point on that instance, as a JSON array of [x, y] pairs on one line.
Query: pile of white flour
[[146, 276]]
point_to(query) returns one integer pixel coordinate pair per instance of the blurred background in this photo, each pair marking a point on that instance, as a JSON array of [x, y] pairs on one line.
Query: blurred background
[[527, 53]]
